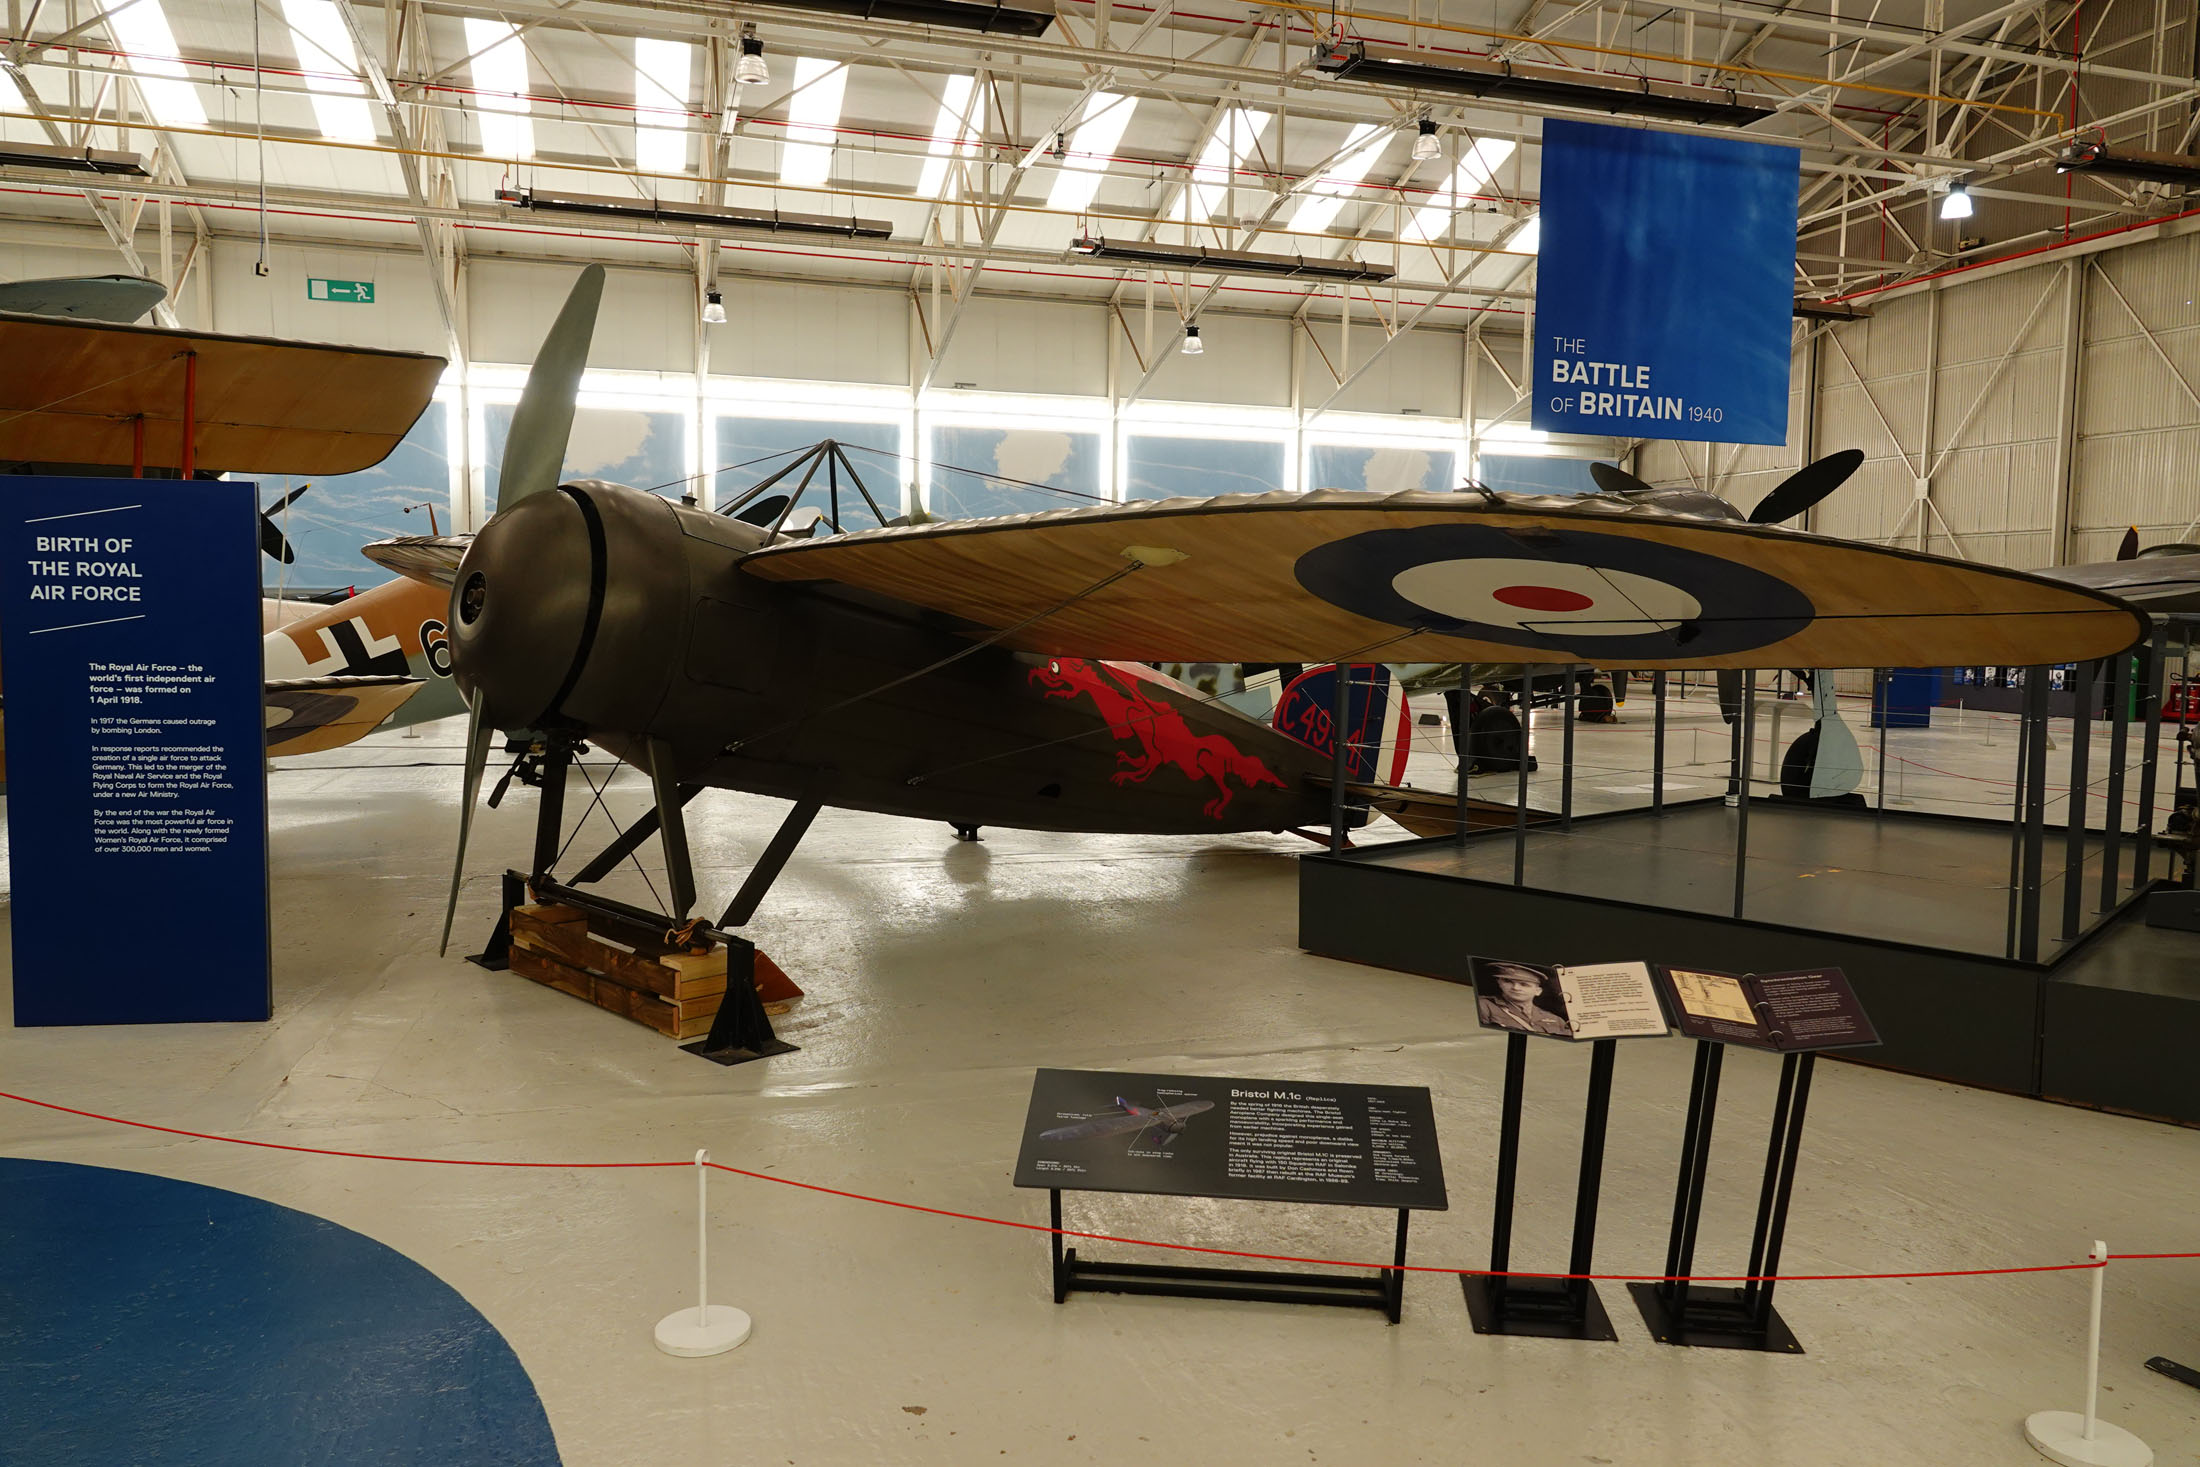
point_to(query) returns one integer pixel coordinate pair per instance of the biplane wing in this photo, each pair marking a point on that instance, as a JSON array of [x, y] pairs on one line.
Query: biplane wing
[[88, 392], [1452, 577]]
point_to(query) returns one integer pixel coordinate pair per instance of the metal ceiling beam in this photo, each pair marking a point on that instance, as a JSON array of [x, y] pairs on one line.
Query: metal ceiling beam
[[117, 235], [440, 252], [1188, 78], [1819, 24]]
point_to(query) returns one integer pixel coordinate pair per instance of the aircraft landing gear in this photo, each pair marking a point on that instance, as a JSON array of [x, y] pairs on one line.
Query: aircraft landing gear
[[964, 832], [741, 1031]]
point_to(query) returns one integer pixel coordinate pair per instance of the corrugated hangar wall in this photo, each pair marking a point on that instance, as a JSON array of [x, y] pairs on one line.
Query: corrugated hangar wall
[[791, 330], [2020, 416], [2044, 406]]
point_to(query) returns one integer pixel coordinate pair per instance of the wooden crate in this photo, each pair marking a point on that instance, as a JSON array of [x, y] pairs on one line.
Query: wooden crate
[[675, 993]]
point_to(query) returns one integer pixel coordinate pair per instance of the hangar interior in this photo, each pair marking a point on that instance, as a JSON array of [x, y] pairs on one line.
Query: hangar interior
[[1016, 260]]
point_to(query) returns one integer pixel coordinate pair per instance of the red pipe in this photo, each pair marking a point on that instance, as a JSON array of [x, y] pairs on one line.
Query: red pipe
[[2045, 249], [190, 412]]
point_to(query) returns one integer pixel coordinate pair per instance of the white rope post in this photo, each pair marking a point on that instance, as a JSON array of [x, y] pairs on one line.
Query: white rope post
[[707, 1329], [2084, 1440]]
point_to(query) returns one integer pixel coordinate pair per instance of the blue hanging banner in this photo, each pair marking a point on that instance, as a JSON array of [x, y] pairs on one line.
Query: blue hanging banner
[[130, 627], [1665, 285]]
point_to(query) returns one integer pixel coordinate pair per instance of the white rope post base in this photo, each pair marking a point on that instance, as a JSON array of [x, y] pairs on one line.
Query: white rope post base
[[707, 1329], [2082, 1439]]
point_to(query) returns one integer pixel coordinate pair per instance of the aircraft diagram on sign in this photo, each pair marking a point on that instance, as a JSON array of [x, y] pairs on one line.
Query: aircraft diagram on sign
[[1132, 1120], [916, 669]]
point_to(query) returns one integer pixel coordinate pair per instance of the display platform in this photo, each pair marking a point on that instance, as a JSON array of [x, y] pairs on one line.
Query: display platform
[[1913, 906]]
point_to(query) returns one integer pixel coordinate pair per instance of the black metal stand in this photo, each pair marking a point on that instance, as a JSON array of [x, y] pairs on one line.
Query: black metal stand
[[1680, 1313], [742, 1031], [1385, 1291], [1568, 1308], [496, 954]]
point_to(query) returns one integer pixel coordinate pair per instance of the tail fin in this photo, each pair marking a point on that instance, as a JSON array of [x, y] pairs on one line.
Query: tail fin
[[1378, 725]]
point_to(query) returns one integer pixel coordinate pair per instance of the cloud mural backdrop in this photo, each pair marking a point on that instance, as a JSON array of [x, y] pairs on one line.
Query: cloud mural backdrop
[[1164, 468], [329, 522], [1383, 470], [963, 456], [630, 446]]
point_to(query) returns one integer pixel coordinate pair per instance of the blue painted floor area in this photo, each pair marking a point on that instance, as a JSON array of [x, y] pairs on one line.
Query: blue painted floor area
[[144, 1320]]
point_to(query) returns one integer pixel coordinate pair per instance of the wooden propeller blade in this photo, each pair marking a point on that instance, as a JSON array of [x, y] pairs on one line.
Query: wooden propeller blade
[[1806, 486]]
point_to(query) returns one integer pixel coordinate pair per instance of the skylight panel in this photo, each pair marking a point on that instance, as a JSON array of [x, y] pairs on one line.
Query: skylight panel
[[954, 134], [1326, 197], [500, 89], [1433, 221], [1090, 147], [812, 115], [141, 29], [1528, 238], [663, 71], [1231, 145], [324, 44]]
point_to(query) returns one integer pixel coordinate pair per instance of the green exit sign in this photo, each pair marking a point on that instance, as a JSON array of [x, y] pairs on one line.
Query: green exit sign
[[358, 292]]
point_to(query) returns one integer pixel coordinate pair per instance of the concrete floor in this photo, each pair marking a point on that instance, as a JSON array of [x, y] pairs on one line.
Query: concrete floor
[[939, 976]]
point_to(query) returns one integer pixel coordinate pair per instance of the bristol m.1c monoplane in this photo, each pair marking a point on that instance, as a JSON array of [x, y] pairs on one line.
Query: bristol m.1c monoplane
[[985, 672]]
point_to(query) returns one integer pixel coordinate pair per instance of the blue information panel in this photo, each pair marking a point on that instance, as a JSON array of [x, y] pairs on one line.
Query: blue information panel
[[1665, 288], [130, 624]]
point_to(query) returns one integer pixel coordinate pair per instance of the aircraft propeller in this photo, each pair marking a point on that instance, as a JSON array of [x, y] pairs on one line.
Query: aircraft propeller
[[1613, 479], [1789, 498], [272, 540], [1806, 486], [534, 453]]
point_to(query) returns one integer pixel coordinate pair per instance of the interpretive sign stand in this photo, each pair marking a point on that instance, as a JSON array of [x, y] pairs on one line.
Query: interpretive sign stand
[[1790, 1014], [130, 618], [1600, 1004], [1245, 1140], [1568, 1308]]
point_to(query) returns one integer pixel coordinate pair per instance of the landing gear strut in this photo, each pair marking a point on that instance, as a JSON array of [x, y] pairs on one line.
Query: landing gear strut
[[742, 1031]]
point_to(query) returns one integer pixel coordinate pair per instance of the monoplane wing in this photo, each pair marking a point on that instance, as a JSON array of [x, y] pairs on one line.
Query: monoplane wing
[[1453, 577], [2155, 582], [432, 559], [307, 715]]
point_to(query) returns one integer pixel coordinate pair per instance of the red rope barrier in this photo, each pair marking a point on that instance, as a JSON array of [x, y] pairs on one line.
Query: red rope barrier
[[1384, 1267]]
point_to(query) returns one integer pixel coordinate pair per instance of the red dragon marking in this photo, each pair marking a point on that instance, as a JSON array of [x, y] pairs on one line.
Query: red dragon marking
[[1164, 737]]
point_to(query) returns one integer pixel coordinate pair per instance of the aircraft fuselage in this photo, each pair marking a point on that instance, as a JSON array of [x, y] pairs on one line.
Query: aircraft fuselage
[[628, 617]]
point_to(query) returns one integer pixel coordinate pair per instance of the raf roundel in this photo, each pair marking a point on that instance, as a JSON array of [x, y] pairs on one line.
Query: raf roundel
[[1573, 591]]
